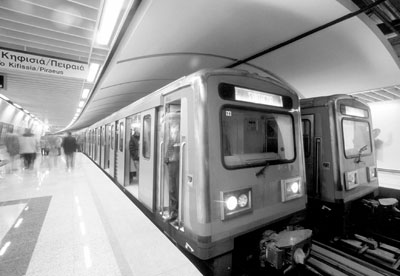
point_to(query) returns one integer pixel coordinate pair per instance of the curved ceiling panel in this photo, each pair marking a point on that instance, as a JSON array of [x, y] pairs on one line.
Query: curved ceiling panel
[[346, 57], [170, 39]]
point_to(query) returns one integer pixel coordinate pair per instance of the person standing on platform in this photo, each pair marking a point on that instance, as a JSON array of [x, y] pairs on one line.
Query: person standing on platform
[[28, 146], [134, 151], [12, 146], [69, 145]]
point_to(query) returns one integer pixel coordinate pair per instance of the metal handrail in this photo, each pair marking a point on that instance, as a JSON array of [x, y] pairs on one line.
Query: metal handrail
[[180, 182], [161, 177]]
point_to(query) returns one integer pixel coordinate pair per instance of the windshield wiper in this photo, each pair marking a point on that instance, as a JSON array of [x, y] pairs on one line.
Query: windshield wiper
[[261, 171], [363, 148]]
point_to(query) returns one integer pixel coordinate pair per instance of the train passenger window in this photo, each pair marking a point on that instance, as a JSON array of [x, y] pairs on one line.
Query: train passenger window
[[253, 137], [306, 137], [121, 136], [146, 136], [357, 138], [112, 137]]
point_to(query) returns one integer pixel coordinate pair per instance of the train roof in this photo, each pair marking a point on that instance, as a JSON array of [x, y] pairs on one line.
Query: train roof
[[326, 100]]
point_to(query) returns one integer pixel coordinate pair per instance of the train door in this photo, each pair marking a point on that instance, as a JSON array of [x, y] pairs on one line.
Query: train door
[[312, 153], [112, 150], [95, 144], [102, 146], [98, 145], [107, 137], [91, 143], [132, 155], [120, 152], [147, 158], [172, 160]]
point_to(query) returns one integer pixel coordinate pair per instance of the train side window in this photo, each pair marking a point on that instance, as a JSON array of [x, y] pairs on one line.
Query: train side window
[[112, 137], [121, 136], [146, 136], [306, 137], [356, 138]]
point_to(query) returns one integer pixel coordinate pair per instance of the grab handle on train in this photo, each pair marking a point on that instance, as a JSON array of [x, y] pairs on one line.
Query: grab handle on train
[[317, 165], [161, 178], [181, 164]]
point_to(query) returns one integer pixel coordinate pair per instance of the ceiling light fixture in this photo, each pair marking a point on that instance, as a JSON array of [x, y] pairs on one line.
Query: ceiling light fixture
[[81, 103], [85, 93], [94, 67], [111, 11]]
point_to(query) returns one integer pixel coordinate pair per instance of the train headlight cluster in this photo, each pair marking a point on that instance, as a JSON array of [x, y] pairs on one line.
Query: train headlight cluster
[[291, 188], [235, 203], [351, 179], [372, 173]]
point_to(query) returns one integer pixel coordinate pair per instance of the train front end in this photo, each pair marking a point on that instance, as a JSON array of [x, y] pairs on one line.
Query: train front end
[[249, 163], [340, 158]]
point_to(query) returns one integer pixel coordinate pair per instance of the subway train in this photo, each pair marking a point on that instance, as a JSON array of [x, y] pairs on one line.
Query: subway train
[[216, 158], [340, 161], [345, 208]]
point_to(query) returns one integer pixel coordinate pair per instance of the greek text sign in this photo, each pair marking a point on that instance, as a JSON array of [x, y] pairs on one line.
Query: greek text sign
[[11, 60]]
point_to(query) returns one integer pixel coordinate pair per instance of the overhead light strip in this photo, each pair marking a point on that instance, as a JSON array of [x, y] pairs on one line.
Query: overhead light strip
[[93, 69], [111, 11]]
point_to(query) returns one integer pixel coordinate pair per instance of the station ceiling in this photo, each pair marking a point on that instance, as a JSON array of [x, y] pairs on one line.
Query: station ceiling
[[338, 46]]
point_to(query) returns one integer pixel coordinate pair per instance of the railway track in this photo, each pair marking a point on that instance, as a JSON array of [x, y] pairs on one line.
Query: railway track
[[328, 260]]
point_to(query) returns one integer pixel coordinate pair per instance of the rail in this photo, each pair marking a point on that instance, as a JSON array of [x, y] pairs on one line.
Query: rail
[[331, 261]]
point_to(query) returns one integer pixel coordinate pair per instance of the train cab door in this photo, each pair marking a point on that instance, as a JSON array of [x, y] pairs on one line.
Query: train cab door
[[172, 160], [147, 159], [112, 149], [120, 152], [312, 154]]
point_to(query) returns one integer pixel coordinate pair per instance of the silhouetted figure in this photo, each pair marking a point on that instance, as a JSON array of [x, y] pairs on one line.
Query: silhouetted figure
[[172, 161], [134, 151], [12, 146], [53, 151], [69, 145], [28, 148]]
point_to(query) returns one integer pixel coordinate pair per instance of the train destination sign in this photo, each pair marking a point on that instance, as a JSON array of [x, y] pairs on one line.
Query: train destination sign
[[12, 60], [353, 111], [252, 96]]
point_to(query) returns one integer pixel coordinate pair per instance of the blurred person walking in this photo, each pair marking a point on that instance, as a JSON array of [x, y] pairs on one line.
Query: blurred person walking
[[28, 146], [12, 146], [69, 145], [53, 151]]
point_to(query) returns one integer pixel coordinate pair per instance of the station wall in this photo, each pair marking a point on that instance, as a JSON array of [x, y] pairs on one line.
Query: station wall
[[386, 118]]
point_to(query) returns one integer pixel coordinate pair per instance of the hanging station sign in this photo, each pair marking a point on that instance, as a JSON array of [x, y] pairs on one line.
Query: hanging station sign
[[12, 60]]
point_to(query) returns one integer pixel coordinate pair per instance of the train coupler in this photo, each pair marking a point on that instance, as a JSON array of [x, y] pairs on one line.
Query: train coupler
[[286, 249]]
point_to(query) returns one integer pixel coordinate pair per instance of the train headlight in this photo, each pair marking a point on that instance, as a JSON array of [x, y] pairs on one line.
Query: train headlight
[[243, 200], [351, 179], [372, 173], [291, 188], [231, 203], [235, 203]]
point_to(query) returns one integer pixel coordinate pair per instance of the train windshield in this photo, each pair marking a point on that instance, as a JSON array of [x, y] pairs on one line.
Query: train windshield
[[253, 137], [357, 138]]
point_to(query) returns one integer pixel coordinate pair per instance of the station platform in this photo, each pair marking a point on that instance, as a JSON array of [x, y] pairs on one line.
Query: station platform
[[389, 179], [58, 222]]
